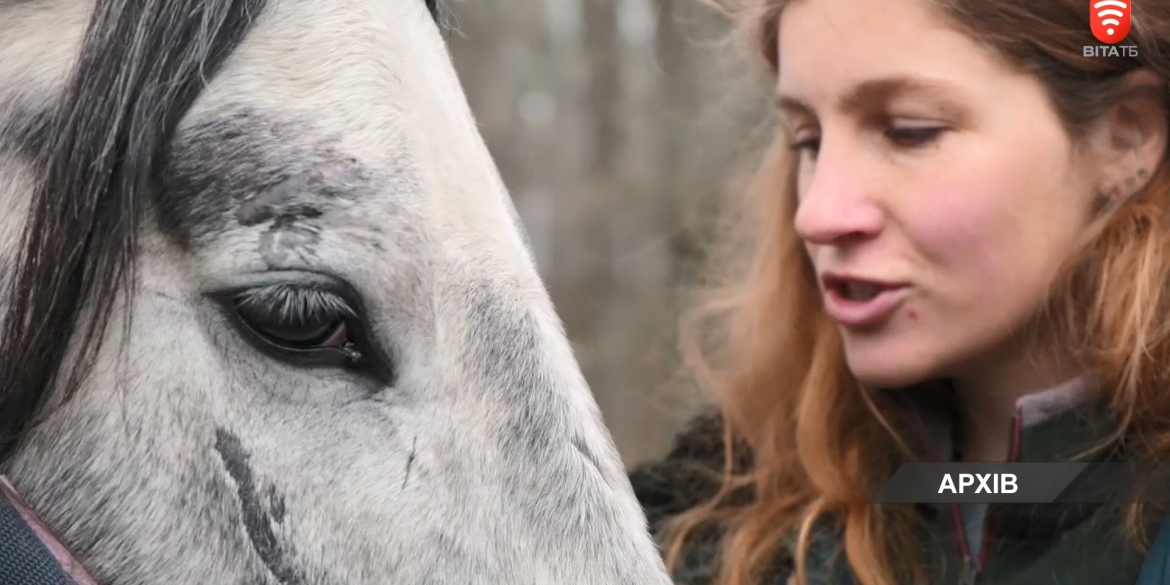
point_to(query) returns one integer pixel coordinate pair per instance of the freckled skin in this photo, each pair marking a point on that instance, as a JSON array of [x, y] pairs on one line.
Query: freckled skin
[[975, 222]]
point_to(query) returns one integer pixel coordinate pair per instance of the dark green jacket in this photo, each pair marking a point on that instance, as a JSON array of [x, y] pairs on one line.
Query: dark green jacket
[[1020, 544]]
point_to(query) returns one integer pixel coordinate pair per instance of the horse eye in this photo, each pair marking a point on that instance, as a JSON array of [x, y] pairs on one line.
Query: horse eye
[[325, 331], [317, 324], [298, 325]]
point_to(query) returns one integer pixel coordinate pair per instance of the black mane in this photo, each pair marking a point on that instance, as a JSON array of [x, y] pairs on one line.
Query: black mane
[[141, 66]]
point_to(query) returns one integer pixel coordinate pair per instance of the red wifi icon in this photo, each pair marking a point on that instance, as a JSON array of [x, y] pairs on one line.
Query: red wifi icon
[[1110, 19]]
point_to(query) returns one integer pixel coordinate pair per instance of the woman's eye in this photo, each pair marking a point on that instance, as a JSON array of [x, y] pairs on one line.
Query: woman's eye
[[809, 145], [911, 137]]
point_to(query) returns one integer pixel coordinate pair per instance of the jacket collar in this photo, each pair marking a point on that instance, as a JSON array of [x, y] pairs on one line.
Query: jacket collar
[[1063, 423], [1051, 425]]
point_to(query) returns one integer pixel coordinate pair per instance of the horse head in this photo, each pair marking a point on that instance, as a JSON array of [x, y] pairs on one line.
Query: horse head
[[269, 316]]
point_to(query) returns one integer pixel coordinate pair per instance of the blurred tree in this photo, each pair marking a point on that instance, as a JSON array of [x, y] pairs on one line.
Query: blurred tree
[[615, 125]]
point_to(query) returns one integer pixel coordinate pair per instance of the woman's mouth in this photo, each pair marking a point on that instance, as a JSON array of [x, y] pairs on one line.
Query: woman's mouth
[[860, 303]]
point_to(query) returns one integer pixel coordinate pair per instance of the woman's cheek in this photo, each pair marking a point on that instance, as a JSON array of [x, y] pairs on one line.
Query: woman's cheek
[[959, 233]]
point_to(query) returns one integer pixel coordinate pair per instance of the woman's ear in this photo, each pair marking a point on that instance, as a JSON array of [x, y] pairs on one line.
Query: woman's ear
[[1133, 139]]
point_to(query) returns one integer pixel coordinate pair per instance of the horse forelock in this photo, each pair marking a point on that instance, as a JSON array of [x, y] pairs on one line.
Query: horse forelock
[[96, 147]]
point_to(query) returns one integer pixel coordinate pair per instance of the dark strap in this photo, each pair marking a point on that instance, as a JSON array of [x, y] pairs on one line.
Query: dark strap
[[24, 559], [29, 553], [1156, 567]]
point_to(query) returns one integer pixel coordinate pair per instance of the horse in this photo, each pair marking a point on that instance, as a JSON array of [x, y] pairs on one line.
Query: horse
[[269, 315]]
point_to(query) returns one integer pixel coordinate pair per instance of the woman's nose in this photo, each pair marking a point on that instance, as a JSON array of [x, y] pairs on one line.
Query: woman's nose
[[838, 204]]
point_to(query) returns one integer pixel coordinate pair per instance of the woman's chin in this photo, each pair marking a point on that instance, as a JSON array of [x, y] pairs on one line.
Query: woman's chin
[[888, 365]]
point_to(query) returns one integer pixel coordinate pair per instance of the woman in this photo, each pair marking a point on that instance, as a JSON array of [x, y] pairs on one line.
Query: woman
[[964, 255]]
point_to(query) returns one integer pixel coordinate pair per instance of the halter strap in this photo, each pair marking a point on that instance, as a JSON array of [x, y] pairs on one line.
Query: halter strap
[[29, 553]]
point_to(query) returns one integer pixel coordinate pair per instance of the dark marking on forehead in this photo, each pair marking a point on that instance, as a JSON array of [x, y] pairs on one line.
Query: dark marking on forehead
[[287, 243], [282, 202], [258, 521], [302, 195], [244, 168]]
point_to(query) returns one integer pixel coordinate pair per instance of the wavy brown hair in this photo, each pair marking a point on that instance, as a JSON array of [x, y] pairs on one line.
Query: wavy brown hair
[[773, 361]]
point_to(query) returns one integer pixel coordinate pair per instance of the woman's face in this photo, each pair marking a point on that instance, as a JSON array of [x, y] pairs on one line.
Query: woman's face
[[938, 191]]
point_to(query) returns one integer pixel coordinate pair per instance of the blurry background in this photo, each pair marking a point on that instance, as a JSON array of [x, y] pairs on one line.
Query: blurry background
[[616, 125]]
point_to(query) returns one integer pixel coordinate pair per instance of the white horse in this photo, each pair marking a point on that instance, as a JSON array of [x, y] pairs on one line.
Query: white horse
[[269, 317]]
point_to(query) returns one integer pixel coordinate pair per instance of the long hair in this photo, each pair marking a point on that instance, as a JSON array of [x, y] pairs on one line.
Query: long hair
[[760, 342], [140, 67]]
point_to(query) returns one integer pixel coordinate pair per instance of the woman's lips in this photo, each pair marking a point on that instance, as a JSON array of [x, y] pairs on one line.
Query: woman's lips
[[858, 313]]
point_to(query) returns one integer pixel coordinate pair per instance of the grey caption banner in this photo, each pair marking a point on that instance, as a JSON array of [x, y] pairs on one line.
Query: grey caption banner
[[1032, 483]]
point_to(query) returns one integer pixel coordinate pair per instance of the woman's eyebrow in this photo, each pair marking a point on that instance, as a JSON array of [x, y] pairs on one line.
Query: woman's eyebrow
[[870, 93]]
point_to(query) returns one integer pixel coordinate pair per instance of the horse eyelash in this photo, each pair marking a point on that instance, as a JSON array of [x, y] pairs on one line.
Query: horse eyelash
[[292, 304]]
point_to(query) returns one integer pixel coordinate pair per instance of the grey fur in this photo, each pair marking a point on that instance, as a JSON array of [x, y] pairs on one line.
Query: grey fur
[[334, 146]]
